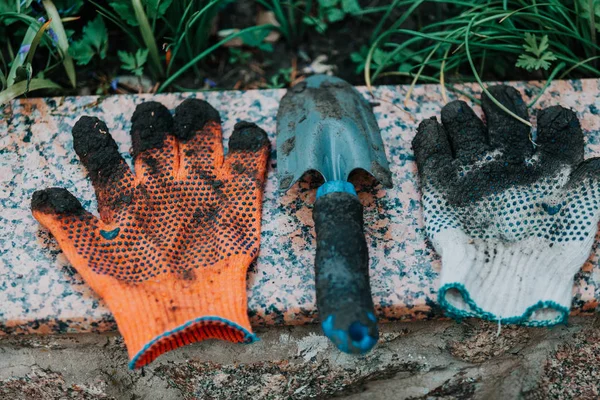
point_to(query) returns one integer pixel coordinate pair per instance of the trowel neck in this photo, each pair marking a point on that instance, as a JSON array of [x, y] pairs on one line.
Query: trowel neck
[[336, 186]]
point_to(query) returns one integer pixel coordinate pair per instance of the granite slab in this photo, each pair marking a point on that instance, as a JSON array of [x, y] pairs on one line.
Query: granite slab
[[41, 293]]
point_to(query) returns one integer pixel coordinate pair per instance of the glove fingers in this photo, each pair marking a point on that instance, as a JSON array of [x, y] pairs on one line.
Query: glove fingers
[[249, 148], [465, 130], [198, 128], [110, 174], [154, 151], [559, 135], [588, 171], [505, 131], [432, 148], [61, 213]]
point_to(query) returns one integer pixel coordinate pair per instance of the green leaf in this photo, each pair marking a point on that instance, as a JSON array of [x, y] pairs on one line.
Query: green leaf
[[134, 63], [81, 51], [532, 63], [542, 57], [310, 21], [141, 56], [6, 6], [238, 56], [96, 35], [319, 25], [360, 57], [357, 57], [405, 67], [351, 6], [328, 3], [255, 38], [335, 14], [24, 73], [68, 7], [128, 60], [62, 42], [154, 9], [532, 46], [148, 37], [93, 41], [530, 43], [124, 9], [379, 57], [268, 47], [526, 61], [157, 8], [24, 87], [584, 10]]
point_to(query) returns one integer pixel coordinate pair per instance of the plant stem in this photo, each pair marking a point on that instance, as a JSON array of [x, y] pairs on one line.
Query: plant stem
[[63, 43], [148, 36], [474, 70]]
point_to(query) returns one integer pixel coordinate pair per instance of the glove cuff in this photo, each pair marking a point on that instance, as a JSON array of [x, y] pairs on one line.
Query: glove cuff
[[169, 311], [518, 283]]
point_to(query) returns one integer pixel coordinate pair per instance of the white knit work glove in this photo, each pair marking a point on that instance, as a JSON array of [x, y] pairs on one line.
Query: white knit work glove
[[512, 220]]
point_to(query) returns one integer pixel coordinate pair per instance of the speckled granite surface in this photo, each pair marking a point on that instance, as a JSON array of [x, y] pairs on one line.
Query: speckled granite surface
[[40, 292]]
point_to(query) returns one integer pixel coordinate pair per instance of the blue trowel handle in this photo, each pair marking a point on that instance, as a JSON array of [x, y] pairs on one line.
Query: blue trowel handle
[[342, 273]]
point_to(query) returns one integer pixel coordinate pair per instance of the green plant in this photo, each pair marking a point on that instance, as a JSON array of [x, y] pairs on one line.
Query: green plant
[[289, 14], [380, 57], [134, 62], [485, 39], [238, 56], [145, 23], [36, 37], [181, 29], [331, 11], [94, 41], [280, 79], [295, 16], [540, 56]]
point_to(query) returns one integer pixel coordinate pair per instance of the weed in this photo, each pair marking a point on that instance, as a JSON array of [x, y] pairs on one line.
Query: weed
[[280, 79], [331, 11], [94, 41], [239, 56]]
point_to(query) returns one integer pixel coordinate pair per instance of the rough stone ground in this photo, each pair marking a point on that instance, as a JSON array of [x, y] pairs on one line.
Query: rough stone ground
[[424, 360]]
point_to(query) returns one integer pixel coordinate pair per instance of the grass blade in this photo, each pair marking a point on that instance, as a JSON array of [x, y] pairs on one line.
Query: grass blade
[[476, 75], [434, 80], [443, 76], [20, 17], [206, 52], [63, 43], [20, 88], [148, 36], [548, 82], [416, 78], [115, 20], [579, 64], [36, 41]]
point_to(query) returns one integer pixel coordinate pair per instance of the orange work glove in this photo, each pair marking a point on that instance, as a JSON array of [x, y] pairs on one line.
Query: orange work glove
[[170, 251]]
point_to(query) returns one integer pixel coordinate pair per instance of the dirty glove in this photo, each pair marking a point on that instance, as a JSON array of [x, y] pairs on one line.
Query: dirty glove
[[170, 251], [513, 216]]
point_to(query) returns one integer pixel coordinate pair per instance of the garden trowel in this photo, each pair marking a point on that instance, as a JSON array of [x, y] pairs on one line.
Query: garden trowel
[[324, 124]]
